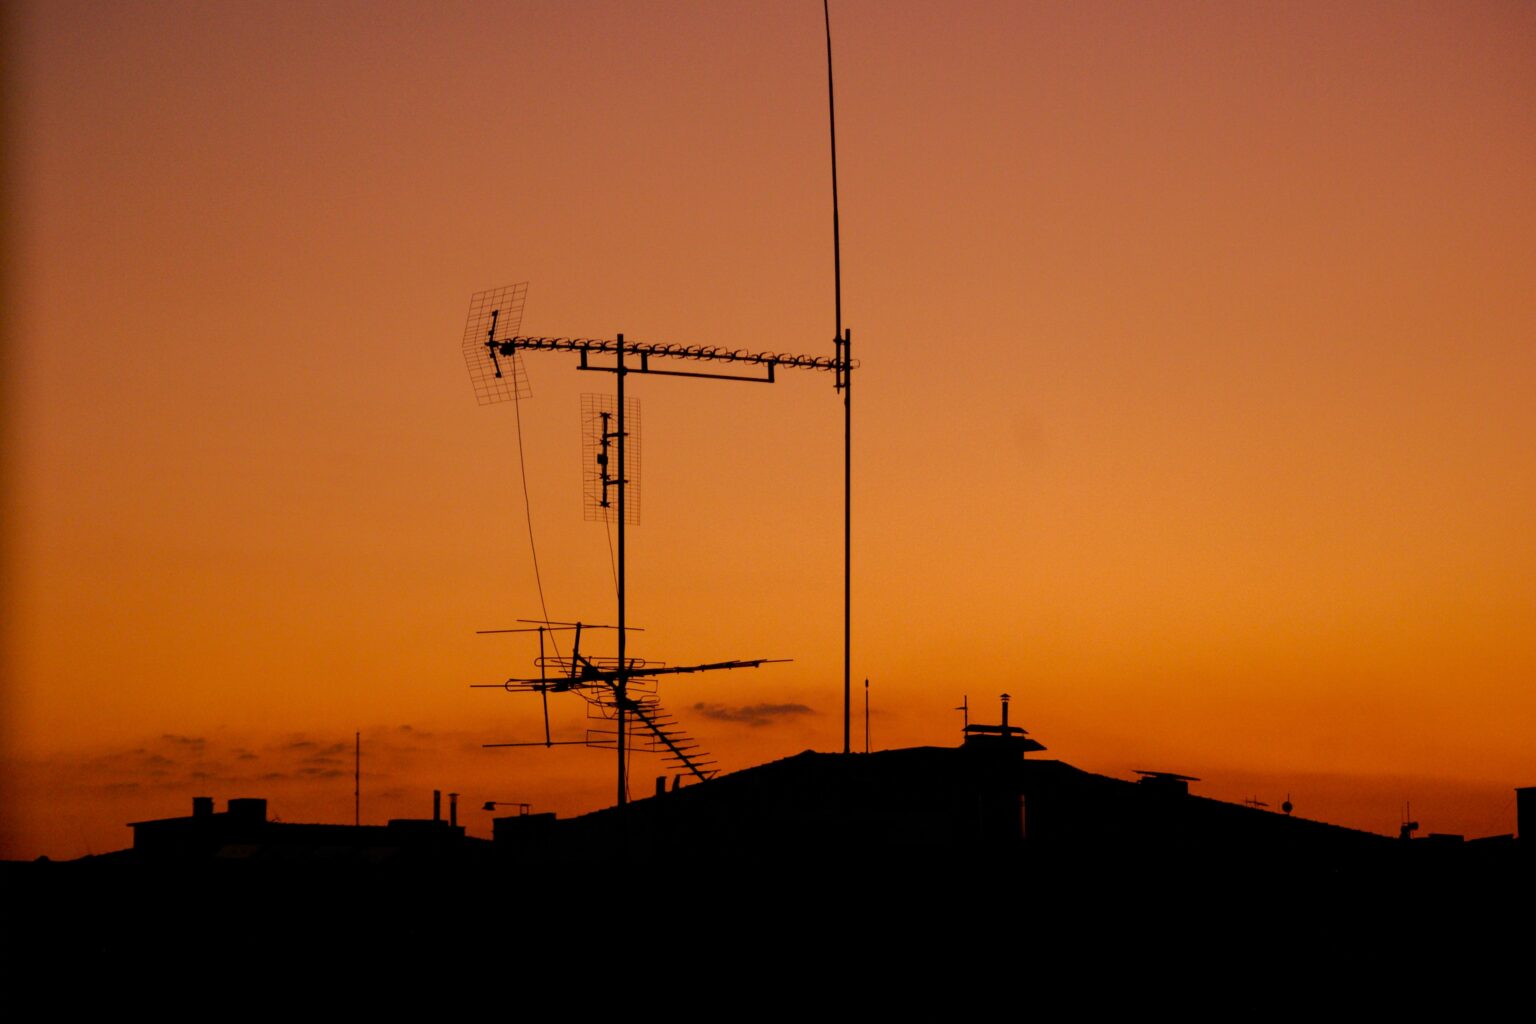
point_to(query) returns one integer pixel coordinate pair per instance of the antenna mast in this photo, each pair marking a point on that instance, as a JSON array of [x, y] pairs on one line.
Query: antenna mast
[[620, 682], [842, 343]]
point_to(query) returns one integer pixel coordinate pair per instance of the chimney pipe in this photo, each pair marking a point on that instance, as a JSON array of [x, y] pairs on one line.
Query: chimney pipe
[[437, 805], [453, 809]]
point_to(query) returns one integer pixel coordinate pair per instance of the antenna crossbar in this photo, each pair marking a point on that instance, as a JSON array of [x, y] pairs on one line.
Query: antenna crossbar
[[585, 347]]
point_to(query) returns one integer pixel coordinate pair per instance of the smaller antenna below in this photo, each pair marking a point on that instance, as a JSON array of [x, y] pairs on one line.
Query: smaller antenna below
[[494, 315], [600, 465]]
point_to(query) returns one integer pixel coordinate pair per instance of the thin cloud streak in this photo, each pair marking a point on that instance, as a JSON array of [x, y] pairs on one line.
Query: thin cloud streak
[[755, 715]]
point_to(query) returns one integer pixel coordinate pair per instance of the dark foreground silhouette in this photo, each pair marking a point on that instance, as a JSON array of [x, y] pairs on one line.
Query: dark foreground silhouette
[[943, 855]]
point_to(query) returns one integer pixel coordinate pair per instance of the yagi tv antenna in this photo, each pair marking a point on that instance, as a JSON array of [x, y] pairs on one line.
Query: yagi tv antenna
[[615, 691]]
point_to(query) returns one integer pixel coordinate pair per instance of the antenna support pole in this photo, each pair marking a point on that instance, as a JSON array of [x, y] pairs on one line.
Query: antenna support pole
[[842, 343], [620, 681], [846, 345]]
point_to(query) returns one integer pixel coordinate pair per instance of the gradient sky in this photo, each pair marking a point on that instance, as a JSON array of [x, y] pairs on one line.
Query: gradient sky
[[1196, 408]]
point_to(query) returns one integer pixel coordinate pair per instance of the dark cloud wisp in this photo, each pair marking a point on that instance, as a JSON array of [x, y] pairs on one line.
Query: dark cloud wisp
[[751, 714]]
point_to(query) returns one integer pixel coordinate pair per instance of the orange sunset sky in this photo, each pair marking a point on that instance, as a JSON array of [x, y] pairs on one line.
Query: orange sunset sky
[[1195, 410]]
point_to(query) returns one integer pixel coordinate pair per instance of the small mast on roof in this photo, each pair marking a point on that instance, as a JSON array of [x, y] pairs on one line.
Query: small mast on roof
[[1003, 738]]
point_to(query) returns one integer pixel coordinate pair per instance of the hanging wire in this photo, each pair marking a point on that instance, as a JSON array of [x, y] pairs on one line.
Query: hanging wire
[[612, 565], [533, 548]]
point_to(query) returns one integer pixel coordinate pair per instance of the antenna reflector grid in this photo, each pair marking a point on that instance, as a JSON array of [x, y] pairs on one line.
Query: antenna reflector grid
[[600, 459], [496, 315]]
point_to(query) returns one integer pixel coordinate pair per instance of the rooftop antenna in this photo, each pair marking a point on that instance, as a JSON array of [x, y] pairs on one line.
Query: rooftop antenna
[[495, 367], [357, 778], [596, 679], [612, 434]]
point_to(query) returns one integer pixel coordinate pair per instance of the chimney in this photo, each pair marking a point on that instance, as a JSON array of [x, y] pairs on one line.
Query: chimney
[[437, 805], [661, 785], [453, 809], [1525, 815], [202, 807]]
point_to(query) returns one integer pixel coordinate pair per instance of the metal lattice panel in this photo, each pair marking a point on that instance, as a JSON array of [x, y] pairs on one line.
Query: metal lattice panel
[[495, 315], [600, 460]]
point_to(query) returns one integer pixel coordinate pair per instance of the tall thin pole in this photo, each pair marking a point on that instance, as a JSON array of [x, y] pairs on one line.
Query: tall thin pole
[[837, 249], [847, 380], [619, 686], [847, 525], [357, 778]]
